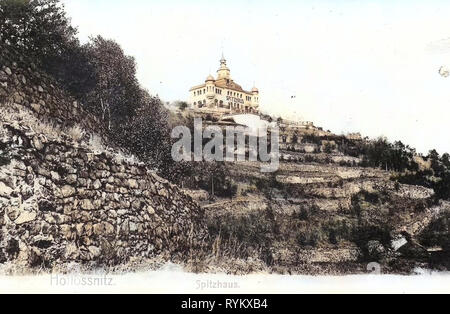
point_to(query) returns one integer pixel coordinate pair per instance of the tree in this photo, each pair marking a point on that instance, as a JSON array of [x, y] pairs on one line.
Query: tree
[[40, 32], [117, 93], [436, 165], [146, 134], [36, 28], [328, 148], [445, 159], [182, 105], [295, 138]]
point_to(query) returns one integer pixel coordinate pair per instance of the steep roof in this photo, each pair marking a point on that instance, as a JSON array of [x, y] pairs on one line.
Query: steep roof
[[230, 84], [224, 83], [198, 86]]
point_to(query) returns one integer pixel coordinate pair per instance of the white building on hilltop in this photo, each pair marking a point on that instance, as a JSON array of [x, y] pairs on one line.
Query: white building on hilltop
[[223, 94]]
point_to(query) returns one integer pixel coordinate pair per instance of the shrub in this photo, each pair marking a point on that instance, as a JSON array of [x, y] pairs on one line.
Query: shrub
[[4, 158], [363, 233], [437, 232], [310, 237], [244, 234], [4, 161], [76, 133], [309, 158]]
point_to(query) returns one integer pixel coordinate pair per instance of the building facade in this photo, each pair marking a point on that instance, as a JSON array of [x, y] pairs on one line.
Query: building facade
[[223, 94]]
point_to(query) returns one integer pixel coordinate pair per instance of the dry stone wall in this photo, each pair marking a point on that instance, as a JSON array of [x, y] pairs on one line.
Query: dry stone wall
[[22, 84], [61, 202]]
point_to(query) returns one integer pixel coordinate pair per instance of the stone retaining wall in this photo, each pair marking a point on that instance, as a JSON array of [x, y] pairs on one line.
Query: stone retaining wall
[[60, 202], [21, 83]]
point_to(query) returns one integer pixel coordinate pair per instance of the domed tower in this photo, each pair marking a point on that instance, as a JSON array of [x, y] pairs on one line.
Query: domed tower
[[223, 71]]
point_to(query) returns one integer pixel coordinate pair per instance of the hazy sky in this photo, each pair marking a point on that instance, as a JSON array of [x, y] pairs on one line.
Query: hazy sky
[[368, 66]]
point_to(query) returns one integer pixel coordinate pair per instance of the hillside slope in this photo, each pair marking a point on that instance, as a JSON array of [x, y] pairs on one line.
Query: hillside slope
[[325, 218]]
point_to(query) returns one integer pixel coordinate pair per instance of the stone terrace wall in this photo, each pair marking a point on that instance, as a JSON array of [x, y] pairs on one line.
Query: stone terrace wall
[[60, 202], [21, 83]]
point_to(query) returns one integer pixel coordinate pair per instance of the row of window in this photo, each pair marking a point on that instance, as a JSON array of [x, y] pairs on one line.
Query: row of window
[[220, 103], [200, 92], [208, 88], [219, 92], [200, 103], [238, 95]]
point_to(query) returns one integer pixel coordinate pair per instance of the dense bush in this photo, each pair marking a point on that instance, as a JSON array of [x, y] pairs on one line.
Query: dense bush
[[365, 233], [416, 178], [254, 232], [146, 133], [4, 158], [310, 237], [437, 233], [437, 178], [213, 177], [338, 230], [400, 158], [38, 29], [305, 212], [382, 154]]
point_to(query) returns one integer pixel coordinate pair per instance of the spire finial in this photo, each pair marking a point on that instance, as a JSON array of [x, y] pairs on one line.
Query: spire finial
[[223, 61]]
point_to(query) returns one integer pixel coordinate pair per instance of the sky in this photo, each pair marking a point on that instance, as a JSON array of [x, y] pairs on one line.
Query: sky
[[352, 66]]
